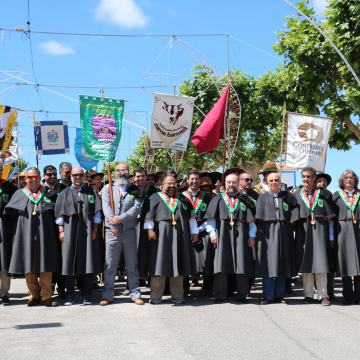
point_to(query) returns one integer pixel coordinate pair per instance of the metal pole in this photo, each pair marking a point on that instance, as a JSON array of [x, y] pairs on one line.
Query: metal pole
[[327, 38], [227, 124]]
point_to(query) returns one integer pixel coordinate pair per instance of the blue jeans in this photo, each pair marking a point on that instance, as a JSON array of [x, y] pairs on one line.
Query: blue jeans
[[126, 240], [273, 287], [86, 287]]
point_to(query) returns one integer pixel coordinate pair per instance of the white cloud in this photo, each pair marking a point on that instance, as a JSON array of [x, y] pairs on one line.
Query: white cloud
[[53, 47], [319, 5], [123, 13]]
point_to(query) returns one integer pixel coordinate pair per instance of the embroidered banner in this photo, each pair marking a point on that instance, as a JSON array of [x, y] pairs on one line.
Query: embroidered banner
[[307, 139], [101, 124], [7, 121], [51, 137], [171, 121]]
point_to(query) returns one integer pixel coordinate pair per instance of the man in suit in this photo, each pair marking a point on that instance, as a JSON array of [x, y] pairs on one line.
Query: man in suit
[[120, 231]]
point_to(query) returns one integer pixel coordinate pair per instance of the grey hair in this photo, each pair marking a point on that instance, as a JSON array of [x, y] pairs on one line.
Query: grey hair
[[308, 168], [342, 177], [67, 164], [245, 172], [32, 168]]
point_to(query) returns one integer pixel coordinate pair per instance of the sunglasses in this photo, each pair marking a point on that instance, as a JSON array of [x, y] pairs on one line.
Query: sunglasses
[[274, 180], [77, 175], [67, 172], [51, 175], [248, 179], [206, 190], [122, 170], [14, 181], [35, 177], [151, 179]]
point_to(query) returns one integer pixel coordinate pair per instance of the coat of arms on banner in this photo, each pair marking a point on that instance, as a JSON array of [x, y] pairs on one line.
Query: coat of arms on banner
[[171, 121], [53, 137]]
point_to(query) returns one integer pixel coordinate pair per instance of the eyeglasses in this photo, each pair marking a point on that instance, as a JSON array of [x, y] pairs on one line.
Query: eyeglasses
[[51, 175], [274, 180], [248, 179], [150, 179], [231, 182], [349, 178], [67, 172], [126, 171], [206, 190], [77, 175], [35, 177]]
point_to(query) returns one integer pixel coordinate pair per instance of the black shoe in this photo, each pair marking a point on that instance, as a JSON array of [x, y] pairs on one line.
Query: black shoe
[[5, 300], [265, 301], [218, 301], [280, 300], [308, 300], [61, 294], [347, 301], [243, 300], [332, 297], [288, 290]]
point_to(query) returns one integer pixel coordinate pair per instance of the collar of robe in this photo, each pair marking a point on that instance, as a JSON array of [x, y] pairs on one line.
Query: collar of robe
[[350, 204], [35, 198], [199, 199]]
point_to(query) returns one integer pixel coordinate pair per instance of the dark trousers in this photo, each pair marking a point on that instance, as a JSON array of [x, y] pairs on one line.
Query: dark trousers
[[59, 279], [221, 284], [330, 283], [350, 293], [86, 286]]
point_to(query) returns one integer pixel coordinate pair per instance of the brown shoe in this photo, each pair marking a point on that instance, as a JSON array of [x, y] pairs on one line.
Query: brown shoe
[[49, 302], [33, 302], [325, 302], [105, 302], [138, 302], [265, 301]]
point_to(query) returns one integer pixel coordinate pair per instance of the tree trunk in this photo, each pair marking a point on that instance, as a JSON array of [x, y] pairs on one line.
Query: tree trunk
[[351, 126]]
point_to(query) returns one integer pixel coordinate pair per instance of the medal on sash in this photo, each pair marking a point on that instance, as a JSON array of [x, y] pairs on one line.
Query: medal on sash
[[311, 206], [350, 204], [231, 207], [35, 198], [172, 205]]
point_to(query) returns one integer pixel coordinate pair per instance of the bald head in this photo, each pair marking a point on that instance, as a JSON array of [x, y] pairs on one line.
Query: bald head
[[77, 176]]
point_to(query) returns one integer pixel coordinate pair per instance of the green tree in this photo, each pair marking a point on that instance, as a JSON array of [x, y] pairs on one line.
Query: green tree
[[315, 75], [21, 163]]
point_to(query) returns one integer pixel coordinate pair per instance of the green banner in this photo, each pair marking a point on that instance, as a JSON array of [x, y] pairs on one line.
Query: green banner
[[101, 124]]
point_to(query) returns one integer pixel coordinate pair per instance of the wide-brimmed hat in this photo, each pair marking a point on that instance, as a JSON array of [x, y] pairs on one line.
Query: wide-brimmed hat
[[206, 184], [269, 166], [326, 176], [96, 174], [214, 176], [233, 171], [154, 175]]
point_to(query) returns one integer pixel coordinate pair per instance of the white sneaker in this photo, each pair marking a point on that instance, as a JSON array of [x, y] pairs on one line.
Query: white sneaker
[[87, 302], [69, 303], [178, 300], [154, 301]]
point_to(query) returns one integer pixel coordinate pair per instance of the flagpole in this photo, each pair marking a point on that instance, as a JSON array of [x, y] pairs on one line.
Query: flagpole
[[110, 187], [228, 97]]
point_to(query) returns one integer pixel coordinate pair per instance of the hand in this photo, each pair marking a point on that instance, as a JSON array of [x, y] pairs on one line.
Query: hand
[[151, 234], [114, 232], [61, 236], [114, 220], [213, 239], [194, 238], [251, 241], [93, 234], [222, 188], [332, 244]]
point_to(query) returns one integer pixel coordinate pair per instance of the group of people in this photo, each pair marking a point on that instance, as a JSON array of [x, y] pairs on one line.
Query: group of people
[[171, 233]]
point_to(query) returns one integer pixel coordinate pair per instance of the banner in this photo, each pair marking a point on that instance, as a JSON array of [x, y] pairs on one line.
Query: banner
[[51, 137], [7, 121], [85, 161], [307, 138], [101, 124], [171, 121]]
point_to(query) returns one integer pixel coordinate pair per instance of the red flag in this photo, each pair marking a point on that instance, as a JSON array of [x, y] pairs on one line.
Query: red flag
[[211, 130]]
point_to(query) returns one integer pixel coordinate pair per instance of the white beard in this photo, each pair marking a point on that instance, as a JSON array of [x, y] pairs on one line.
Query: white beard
[[122, 181]]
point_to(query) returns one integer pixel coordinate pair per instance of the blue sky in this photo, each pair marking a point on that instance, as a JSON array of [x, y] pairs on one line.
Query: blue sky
[[120, 62]]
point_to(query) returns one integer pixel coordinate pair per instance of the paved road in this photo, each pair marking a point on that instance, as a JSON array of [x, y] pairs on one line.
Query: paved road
[[198, 330]]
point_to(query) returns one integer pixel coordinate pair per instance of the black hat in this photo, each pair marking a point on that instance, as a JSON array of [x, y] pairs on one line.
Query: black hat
[[214, 176], [326, 176]]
